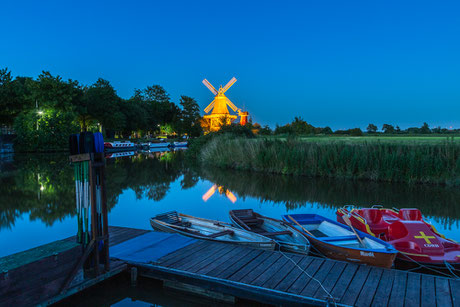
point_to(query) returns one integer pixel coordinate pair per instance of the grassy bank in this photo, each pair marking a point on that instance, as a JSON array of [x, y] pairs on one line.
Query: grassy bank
[[437, 163]]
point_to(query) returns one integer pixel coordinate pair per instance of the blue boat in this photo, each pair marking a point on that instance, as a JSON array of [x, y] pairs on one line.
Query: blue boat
[[338, 241]]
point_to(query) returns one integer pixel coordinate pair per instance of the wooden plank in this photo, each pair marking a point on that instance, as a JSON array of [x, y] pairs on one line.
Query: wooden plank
[[331, 279], [455, 290], [180, 254], [412, 297], [299, 284], [344, 280], [355, 286], [234, 261], [238, 265], [198, 257], [443, 297], [258, 270], [428, 291], [399, 289], [212, 258], [289, 279], [249, 266], [270, 271], [382, 295], [313, 285], [222, 260], [370, 287], [283, 272]]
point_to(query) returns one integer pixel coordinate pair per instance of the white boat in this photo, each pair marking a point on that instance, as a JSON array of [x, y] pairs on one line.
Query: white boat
[[180, 144], [119, 146], [211, 230]]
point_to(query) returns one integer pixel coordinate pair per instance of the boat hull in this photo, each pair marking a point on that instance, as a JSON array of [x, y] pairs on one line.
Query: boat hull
[[259, 242], [301, 247], [383, 260], [382, 257]]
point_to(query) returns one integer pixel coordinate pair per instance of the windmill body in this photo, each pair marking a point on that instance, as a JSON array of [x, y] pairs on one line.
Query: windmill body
[[220, 114]]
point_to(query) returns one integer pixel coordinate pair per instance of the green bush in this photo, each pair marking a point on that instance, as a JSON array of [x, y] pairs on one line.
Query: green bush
[[48, 131]]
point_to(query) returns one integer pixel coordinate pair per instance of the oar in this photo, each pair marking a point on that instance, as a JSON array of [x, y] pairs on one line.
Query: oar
[[301, 226], [347, 220]]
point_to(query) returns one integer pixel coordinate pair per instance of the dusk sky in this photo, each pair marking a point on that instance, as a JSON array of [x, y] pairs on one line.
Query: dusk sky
[[341, 64]]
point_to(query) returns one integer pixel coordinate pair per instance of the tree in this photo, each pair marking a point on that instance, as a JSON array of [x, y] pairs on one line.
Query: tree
[[388, 128], [425, 129], [160, 109], [190, 117], [326, 130], [14, 96], [102, 105], [371, 128]]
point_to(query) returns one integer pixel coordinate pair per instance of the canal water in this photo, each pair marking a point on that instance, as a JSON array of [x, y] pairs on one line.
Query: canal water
[[37, 197]]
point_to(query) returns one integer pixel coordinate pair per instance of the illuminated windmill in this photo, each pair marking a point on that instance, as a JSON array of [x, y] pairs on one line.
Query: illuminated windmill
[[221, 190], [220, 114]]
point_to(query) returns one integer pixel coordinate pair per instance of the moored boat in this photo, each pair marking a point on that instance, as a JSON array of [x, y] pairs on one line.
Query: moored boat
[[179, 144], [416, 239], [155, 145], [284, 234], [212, 230], [119, 146], [337, 241]]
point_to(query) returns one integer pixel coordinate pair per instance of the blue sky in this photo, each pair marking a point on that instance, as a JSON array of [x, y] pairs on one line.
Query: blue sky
[[341, 64]]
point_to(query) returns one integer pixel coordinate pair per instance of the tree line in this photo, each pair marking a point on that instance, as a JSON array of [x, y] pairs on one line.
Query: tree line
[[45, 110]]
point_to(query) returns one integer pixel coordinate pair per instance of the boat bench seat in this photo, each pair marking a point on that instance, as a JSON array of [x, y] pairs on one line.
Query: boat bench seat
[[275, 233], [220, 234], [339, 238]]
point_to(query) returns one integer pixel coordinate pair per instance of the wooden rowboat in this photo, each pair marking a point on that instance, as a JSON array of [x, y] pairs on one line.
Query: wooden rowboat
[[205, 229], [286, 236], [338, 241]]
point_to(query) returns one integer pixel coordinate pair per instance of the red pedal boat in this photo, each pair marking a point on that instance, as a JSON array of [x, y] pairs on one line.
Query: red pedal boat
[[405, 229]]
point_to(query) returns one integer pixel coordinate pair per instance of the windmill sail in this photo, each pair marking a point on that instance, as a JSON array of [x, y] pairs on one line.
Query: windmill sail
[[210, 106], [231, 105], [230, 83], [210, 87]]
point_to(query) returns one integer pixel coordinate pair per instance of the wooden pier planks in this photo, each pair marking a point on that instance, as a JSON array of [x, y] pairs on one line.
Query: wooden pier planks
[[348, 283], [265, 276]]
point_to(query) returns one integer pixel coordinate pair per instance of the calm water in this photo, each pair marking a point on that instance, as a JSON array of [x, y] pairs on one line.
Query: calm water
[[37, 198]]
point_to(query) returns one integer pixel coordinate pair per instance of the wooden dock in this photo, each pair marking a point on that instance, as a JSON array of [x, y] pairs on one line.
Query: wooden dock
[[221, 270]]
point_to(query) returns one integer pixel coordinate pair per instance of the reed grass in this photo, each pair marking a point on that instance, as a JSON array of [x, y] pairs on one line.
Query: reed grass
[[412, 163]]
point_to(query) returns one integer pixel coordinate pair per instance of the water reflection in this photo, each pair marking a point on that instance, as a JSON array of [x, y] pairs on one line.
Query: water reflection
[[42, 186], [440, 203]]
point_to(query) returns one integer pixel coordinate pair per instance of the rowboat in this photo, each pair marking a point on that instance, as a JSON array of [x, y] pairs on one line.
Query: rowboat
[[287, 237], [417, 240], [340, 242], [212, 230]]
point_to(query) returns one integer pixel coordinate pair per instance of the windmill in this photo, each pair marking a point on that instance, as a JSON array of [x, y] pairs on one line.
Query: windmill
[[221, 191], [220, 114]]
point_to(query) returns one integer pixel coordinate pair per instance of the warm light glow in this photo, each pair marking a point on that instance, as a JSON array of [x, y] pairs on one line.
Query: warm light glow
[[209, 193], [42, 188], [231, 196], [40, 112], [221, 190]]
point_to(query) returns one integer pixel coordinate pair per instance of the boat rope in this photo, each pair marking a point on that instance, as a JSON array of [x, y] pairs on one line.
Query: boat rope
[[329, 295], [451, 269], [430, 268]]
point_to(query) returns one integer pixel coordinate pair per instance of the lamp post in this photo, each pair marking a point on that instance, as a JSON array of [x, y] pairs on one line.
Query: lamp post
[[38, 111]]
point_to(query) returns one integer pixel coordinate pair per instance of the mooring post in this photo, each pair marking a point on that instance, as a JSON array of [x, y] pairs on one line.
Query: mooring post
[[133, 276]]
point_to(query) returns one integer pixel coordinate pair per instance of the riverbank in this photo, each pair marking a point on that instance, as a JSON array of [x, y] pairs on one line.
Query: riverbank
[[410, 162]]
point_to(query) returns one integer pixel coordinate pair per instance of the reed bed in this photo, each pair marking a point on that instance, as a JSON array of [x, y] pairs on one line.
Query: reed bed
[[412, 163]]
